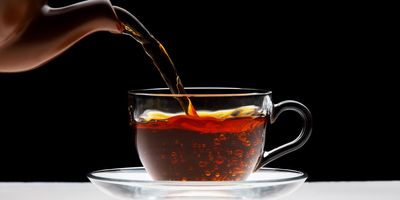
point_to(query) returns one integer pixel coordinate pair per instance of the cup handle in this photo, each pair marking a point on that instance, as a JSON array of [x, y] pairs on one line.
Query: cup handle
[[305, 132]]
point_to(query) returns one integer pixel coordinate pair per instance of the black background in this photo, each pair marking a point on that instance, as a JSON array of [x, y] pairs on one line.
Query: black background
[[69, 117]]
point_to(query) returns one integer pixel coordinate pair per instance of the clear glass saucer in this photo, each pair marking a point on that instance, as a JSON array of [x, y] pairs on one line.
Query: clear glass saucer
[[135, 183]]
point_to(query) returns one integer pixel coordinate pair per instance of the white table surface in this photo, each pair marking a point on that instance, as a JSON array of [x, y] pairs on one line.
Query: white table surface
[[383, 190]]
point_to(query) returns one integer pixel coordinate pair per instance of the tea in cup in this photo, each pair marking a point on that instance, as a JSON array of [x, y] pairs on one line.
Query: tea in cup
[[223, 142]]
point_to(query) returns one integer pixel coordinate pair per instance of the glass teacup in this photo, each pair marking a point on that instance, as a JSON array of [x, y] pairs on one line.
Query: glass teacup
[[225, 142]]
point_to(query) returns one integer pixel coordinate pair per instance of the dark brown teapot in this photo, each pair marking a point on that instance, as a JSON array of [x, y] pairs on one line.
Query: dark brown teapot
[[32, 33]]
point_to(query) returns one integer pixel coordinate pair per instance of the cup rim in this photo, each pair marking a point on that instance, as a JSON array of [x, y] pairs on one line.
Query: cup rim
[[217, 92]]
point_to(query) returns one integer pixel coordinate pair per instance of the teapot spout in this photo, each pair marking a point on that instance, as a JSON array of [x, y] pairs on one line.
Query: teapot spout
[[52, 31]]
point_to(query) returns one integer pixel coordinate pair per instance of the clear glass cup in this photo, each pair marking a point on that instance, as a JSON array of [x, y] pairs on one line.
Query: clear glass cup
[[225, 142]]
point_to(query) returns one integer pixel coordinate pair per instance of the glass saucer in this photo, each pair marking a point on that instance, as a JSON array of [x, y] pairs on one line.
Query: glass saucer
[[135, 183]]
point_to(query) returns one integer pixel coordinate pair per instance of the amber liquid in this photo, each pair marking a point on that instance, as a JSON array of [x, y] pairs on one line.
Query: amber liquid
[[204, 148], [196, 146]]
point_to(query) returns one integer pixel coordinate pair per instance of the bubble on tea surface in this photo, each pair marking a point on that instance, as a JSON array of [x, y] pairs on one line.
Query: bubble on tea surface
[[207, 173]]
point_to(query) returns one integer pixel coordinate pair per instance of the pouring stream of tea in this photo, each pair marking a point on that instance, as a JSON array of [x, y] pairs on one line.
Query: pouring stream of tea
[[131, 26]]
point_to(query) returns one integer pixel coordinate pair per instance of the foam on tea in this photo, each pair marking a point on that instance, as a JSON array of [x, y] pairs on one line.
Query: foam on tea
[[241, 112], [219, 145]]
